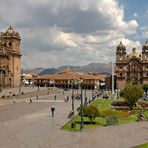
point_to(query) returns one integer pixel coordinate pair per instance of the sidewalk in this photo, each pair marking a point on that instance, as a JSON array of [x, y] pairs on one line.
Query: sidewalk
[[27, 92], [40, 130]]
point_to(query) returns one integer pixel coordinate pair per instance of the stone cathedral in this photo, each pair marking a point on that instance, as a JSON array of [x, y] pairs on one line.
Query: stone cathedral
[[132, 67], [9, 58]]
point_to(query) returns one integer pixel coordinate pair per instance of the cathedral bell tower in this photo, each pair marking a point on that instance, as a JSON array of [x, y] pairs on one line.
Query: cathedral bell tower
[[145, 52], [120, 53], [120, 69], [12, 48]]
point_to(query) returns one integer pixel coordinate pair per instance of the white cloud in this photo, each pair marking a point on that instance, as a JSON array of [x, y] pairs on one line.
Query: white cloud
[[56, 32]]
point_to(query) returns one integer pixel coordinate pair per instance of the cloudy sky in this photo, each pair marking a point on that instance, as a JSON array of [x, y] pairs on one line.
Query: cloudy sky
[[74, 32]]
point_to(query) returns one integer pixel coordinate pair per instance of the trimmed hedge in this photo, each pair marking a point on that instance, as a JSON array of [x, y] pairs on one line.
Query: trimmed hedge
[[106, 113]]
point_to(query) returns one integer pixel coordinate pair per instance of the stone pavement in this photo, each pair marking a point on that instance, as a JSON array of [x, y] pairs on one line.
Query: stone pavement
[[44, 92], [38, 129], [22, 89]]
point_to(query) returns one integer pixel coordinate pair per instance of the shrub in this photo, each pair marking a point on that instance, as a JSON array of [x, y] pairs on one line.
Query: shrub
[[106, 113], [132, 93], [91, 112]]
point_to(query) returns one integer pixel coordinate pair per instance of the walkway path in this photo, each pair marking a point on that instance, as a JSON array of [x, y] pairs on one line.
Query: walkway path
[[36, 128]]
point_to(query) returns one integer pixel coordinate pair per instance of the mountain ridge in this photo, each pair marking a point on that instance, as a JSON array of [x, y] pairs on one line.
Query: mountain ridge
[[91, 67]]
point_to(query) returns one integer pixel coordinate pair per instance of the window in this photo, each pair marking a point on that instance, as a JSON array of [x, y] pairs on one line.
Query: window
[[10, 44], [147, 67], [147, 74], [120, 67], [121, 58], [146, 56], [121, 75]]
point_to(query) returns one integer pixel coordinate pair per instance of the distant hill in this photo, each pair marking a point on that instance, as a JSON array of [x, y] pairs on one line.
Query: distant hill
[[92, 67], [34, 71], [95, 68], [48, 71]]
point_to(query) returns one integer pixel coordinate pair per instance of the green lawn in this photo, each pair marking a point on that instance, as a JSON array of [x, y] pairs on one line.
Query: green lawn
[[142, 146], [99, 121]]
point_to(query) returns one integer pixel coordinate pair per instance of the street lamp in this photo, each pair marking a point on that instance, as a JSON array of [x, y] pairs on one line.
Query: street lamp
[[112, 73], [81, 106], [72, 97], [1, 76], [20, 85]]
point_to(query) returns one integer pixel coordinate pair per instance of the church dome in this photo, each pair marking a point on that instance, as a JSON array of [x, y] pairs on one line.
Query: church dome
[[134, 54]]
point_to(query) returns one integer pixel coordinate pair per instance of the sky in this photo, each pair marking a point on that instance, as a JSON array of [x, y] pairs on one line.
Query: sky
[[74, 32]]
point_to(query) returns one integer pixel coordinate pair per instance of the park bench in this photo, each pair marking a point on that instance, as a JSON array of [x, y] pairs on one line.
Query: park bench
[[71, 113], [111, 120]]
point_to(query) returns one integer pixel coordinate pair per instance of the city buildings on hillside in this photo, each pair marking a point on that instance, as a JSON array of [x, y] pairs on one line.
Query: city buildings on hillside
[[132, 67], [70, 79], [10, 57]]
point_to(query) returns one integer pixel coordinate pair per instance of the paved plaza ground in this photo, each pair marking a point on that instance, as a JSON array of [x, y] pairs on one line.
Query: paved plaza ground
[[30, 125]]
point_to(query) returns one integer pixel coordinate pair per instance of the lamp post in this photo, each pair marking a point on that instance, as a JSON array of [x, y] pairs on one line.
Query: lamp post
[[72, 97], [1, 77], [1, 80], [19, 88], [81, 109], [112, 73]]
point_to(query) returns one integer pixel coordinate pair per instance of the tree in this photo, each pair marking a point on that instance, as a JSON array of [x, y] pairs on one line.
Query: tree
[[132, 93], [91, 112]]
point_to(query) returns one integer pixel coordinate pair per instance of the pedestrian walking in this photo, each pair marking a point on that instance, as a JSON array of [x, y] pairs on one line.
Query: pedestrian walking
[[52, 110], [142, 117], [85, 101], [55, 97], [67, 98], [10, 91], [30, 100], [37, 97], [14, 100]]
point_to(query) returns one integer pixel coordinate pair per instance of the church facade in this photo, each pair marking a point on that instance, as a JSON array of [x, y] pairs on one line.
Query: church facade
[[10, 58], [132, 67]]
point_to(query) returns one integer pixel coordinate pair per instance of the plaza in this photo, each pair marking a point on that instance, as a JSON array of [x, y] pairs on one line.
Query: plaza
[[31, 125], [73, 74]]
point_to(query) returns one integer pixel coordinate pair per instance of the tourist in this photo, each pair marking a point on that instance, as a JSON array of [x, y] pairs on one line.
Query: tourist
[[55, 97], [141, 115], [67, 98], [52, 110], [37, 97], [30, 100], [14, 100], [10, 91]]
